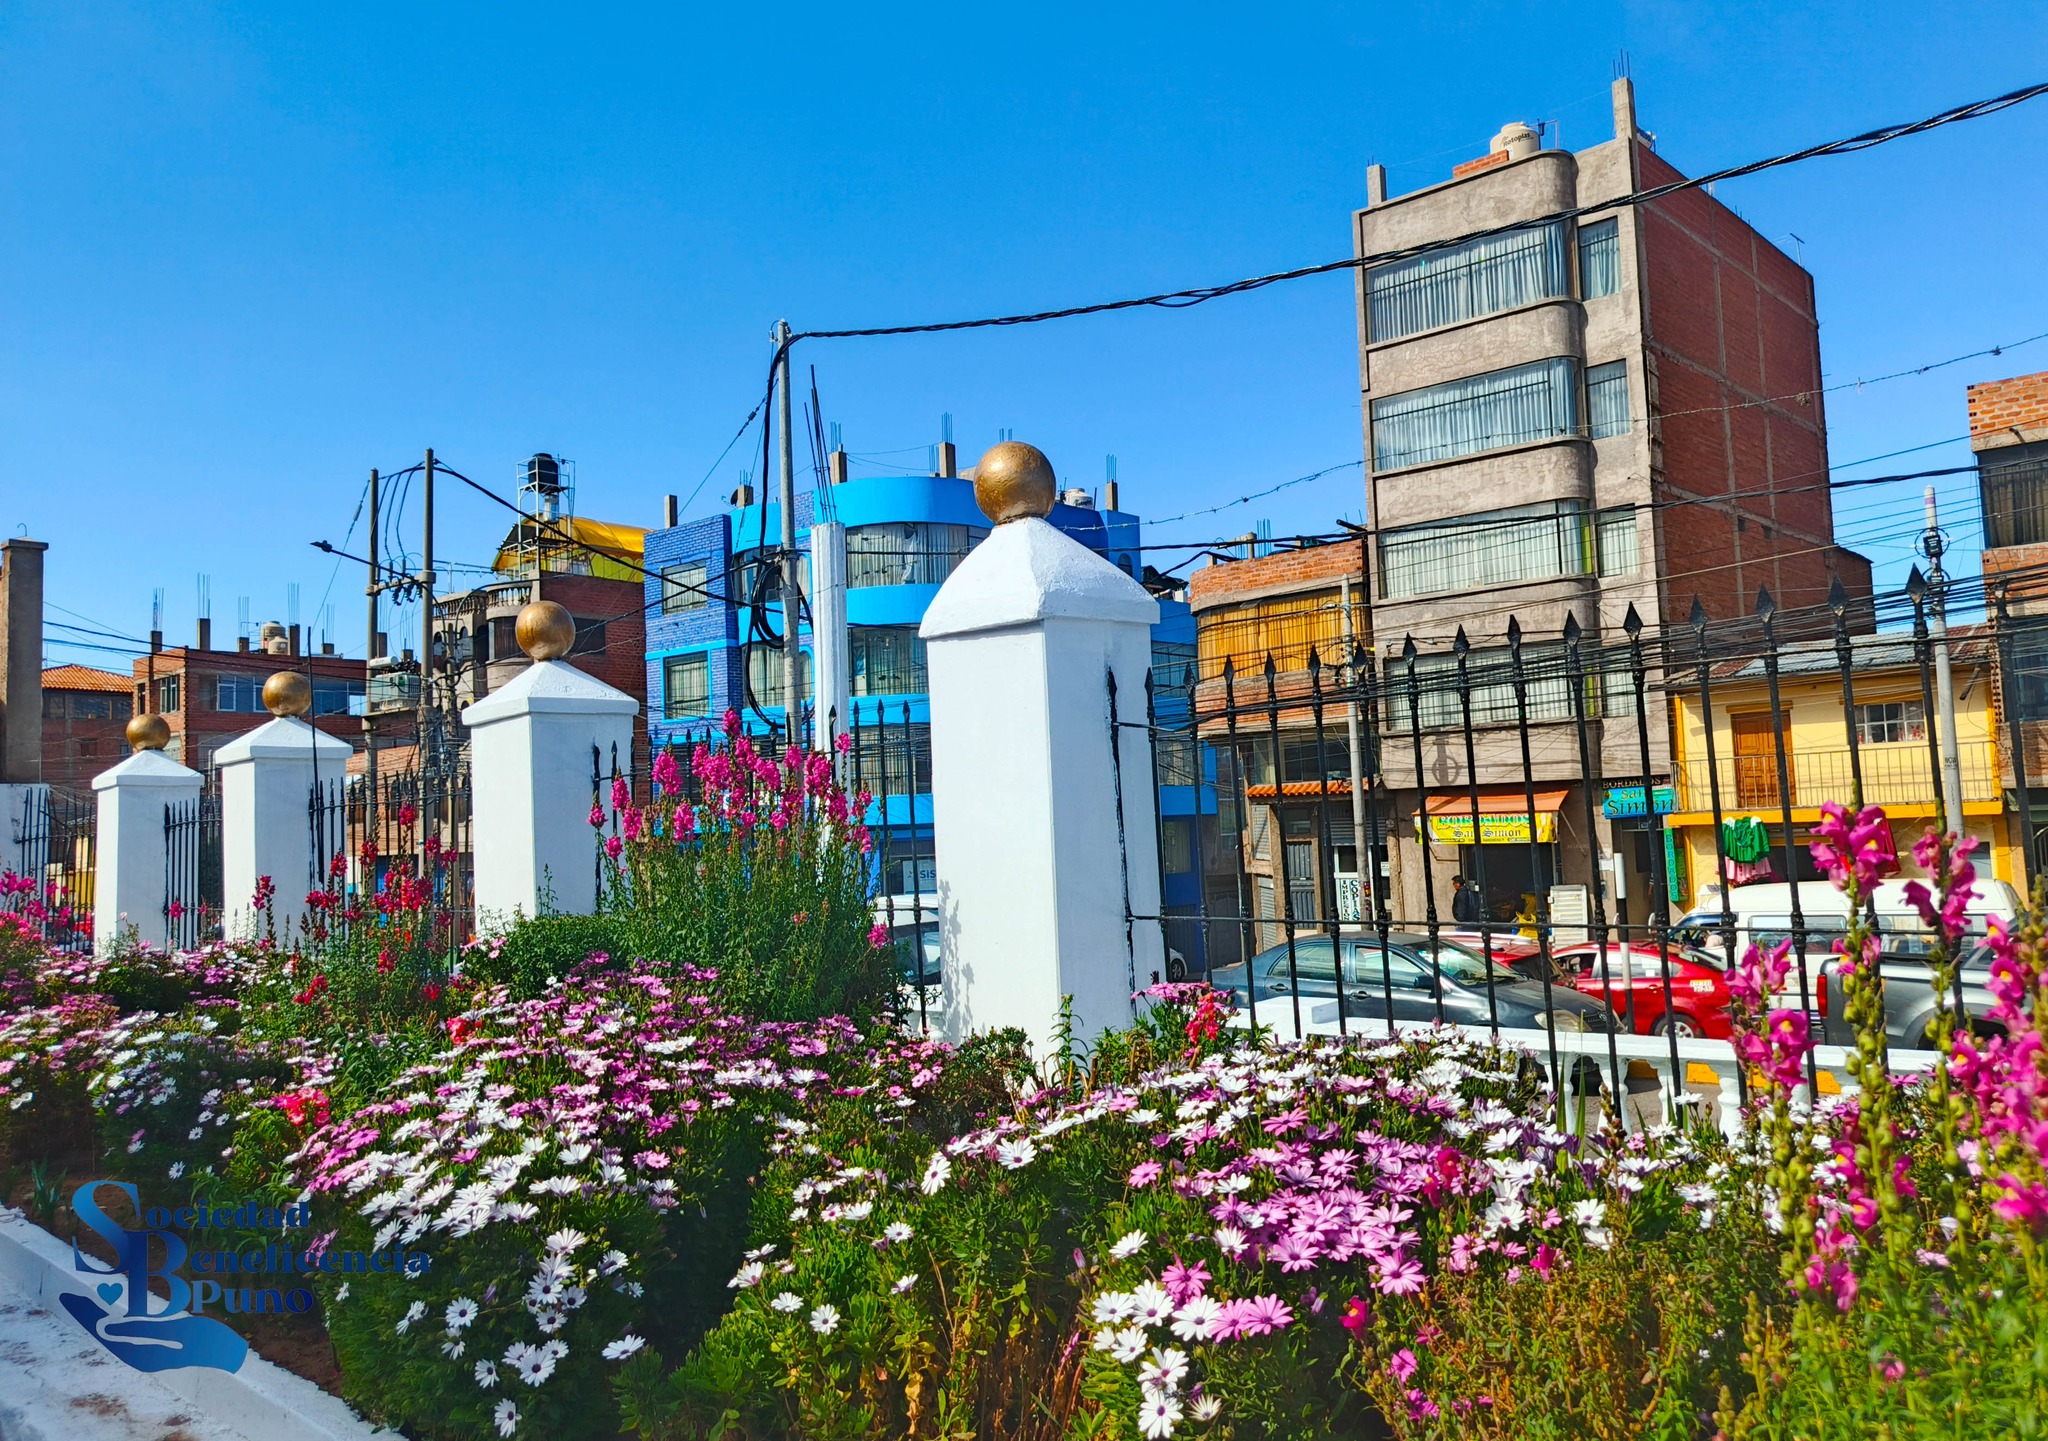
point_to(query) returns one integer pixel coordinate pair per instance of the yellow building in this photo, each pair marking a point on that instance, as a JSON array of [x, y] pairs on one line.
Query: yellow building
[[1890, 728]]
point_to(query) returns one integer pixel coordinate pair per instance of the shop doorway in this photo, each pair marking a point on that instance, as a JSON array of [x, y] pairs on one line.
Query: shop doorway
[[1511, 874]]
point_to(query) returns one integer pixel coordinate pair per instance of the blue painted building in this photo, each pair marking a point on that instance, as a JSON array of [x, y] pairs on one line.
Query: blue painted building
[[905, 534]]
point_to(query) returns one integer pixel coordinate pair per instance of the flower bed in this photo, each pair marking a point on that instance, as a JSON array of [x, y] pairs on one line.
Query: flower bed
[[647, 1207]]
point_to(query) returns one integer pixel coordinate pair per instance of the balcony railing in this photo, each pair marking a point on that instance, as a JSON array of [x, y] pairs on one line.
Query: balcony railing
[[1898, 773]]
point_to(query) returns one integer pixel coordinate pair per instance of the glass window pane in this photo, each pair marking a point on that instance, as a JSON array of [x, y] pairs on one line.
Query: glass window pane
[[1620, 553], [1516, 406], [1463, 282], [1600, 258], [886, 660], [683, 587], [686, 687], [1607, 399], [1479, 551]]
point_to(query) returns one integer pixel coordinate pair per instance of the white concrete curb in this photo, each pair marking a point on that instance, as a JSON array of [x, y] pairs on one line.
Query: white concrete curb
[[262, 1401]]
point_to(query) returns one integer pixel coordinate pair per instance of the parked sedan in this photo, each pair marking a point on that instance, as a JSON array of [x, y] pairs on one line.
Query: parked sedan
[[1404, 971], [1699, 991]]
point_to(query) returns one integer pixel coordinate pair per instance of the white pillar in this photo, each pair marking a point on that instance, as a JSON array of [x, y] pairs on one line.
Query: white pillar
[[529, 768], [266, 790], [1032, 862], [131, 882], [830, 674]]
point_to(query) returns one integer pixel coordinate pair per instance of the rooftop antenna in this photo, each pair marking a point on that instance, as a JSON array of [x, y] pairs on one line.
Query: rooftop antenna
[[156, 609], [242, 618]]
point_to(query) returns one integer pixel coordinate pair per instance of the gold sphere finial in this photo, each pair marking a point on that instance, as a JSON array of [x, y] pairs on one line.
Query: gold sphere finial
[[1014, 481], [287, 693], [148, 733], [546, 630]]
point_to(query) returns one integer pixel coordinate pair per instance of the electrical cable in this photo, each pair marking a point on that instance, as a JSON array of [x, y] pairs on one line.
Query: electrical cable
[[1197, 295]]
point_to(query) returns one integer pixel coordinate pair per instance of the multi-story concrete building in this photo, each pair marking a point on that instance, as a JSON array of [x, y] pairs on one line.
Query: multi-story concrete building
[[1566, 419], [905, 534], [85, 716]]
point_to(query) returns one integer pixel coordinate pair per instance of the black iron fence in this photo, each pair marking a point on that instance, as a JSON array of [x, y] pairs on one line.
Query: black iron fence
[[193, 899], [46, 877], [369, 830], [1549, 762]]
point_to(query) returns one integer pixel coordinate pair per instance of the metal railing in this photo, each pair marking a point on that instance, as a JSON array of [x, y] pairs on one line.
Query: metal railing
[[1366, 962]]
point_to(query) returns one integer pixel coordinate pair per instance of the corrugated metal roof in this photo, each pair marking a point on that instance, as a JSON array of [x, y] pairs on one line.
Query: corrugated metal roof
[[626, 542], [84, 677], [1968, 645]]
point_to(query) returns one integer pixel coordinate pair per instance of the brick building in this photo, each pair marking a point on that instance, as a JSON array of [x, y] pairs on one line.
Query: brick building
[[2009, 434], [85, 715], [1565, 420], [1300, 856], [208, 697]]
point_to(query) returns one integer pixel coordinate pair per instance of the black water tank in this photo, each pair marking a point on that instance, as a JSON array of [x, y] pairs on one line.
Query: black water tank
[[544, 474]]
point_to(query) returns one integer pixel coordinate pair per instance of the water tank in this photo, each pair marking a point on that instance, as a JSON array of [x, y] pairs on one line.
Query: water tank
[[544, 474]]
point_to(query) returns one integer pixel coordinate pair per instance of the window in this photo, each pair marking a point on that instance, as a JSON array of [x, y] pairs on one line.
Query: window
[[1176, 846], [1463, 282], [238, 695], [1619, 554], [504, 638], [1607, 399], [754, 578], [1477, 551], [1173, 665], [53, 703], [683, 587], [764, 675], [331, 696], [886, 660], [97, 707], [589, 637], [1516, 406], [892, 759], [686, 687], [1491, 684], [1889, 722], [88, 747], [907, 553], [1599, 258], [167, 694]]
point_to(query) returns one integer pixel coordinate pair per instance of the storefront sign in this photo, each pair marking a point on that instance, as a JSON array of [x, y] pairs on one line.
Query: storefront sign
[[1456, 830], [1623, 802]]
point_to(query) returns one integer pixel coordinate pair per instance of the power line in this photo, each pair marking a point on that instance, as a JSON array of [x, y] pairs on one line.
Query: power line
[[1197, 295]]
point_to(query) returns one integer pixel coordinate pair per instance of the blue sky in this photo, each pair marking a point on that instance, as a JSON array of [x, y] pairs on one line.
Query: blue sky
[[252, 251]]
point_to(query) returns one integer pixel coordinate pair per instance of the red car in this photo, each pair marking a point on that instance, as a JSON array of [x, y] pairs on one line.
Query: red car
[[1699, 991]]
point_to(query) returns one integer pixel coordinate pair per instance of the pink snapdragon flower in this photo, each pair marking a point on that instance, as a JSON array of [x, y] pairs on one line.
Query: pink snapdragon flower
[[1859, 849]]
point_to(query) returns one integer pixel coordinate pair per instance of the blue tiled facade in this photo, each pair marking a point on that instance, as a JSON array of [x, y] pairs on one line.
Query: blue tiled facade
[[884, 591]]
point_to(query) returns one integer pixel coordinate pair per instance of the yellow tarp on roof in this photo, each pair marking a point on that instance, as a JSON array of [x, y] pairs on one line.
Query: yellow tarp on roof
[[598, 541]]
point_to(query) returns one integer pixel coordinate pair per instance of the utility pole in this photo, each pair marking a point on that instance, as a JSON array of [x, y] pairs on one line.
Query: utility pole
[[373, 590], [792, 586], [1361, 843], [1944, 682]]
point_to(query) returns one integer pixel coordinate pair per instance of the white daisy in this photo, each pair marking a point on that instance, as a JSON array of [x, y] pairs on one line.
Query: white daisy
[[825, 1319], [1015, 1155], [904, 1283], [786, 1302], [1158, 1414], [506, 1417], [1197, 1319], [1130, 1345], [896, 1233], [748, 1275], [1131, 1243], [1165, 1371], [566, 1240], [487, 1374], [1153, 1305], [936, 1172], [412, 1313], [625, 1346], [461, 1311]]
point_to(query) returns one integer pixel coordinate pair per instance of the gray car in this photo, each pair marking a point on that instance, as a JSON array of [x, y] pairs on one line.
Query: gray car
[[1404, 973], [1909, 1006]]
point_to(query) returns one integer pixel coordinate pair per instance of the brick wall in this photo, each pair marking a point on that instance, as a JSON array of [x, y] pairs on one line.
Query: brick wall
[[1734, 347], [1311, 568], [1997, 407], [199, 727]]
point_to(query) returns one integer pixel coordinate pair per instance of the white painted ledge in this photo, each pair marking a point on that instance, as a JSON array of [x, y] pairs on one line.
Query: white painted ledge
[[48, 1365]]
